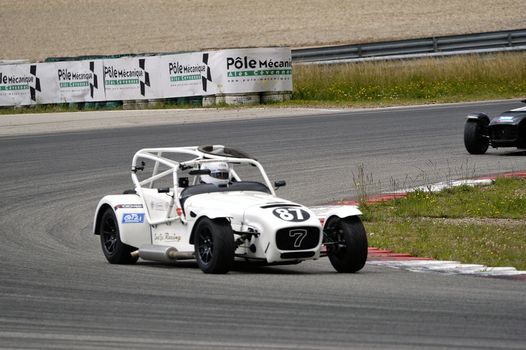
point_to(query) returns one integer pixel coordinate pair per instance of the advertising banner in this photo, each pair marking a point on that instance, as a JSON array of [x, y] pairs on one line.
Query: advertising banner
[[132, 78], [80, 81], [252, 70], [19, 85], [186, 74], [234, 71], [47, 80], [28, 84]]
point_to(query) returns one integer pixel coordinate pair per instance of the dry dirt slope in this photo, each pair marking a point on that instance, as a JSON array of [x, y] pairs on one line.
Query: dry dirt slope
[[36, 29]]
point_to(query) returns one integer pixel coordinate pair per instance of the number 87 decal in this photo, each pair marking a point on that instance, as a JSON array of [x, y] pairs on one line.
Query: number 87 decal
[[291, 214]]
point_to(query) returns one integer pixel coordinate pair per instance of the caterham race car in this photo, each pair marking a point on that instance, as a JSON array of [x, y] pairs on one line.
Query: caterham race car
[[191, 203], [506, 130]]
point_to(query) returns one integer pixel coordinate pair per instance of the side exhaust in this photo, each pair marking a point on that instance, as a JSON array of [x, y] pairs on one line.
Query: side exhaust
[[162, 253]]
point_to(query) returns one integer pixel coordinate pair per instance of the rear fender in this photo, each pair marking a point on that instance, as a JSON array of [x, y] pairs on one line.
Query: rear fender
[[129, 211]]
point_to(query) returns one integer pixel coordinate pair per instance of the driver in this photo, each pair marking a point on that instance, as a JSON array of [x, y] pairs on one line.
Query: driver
[[219, 173]]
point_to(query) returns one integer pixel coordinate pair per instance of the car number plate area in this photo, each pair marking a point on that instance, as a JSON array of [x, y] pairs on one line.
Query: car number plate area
[[297, 238]]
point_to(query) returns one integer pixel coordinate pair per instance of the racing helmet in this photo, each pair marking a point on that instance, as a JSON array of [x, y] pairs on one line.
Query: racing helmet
[[219, 173]]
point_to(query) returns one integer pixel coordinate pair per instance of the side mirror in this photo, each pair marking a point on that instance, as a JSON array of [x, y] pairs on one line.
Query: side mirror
[[279, 183], [135, 169]]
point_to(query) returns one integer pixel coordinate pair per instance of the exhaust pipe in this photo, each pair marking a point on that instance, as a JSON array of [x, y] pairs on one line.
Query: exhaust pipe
[[161, 253]]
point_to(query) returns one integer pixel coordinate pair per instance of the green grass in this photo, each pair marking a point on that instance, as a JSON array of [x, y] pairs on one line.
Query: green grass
[[429, 80], [490, 245], [483, 225]]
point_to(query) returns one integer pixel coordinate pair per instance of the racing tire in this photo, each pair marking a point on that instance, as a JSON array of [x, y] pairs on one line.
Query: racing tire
[[114, 250], [214, 246], [474, 139], [349, 254]]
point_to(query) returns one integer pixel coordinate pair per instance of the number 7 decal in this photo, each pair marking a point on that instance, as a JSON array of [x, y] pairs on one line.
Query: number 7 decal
[[300, 234]]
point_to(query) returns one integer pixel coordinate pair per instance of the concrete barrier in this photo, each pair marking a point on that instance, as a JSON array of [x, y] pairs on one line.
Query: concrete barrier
[[275, 96], [242, 99]]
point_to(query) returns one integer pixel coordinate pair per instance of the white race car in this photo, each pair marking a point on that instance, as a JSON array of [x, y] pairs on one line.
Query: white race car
[[184, 208]]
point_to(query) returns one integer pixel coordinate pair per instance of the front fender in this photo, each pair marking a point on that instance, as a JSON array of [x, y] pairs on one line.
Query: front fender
[[478, 117], [341, 211], [196, 213]]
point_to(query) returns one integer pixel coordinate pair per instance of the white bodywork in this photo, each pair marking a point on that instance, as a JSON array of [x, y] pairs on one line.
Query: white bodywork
[[254, 212]]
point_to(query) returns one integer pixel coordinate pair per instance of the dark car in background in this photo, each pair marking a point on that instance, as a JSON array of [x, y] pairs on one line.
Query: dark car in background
[[506, 130]]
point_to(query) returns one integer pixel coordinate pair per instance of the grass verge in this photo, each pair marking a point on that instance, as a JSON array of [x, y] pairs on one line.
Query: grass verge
[[480, 225], [419, 81]]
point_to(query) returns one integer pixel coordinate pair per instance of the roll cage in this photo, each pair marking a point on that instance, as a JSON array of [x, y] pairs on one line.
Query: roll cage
[[180, 190]]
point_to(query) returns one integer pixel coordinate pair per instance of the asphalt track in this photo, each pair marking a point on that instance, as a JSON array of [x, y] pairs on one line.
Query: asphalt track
[[57, 291]]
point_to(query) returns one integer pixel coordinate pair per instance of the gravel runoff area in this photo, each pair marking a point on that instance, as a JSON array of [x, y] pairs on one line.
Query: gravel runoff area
[[37, 29]]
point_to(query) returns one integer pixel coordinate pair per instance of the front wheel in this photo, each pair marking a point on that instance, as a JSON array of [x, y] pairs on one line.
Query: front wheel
[[214, 246], [114, 250], [475, 140], [346, 242]]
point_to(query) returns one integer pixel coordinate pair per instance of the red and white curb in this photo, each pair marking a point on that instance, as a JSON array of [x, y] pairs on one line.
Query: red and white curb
[[382, 257], [430, 188]]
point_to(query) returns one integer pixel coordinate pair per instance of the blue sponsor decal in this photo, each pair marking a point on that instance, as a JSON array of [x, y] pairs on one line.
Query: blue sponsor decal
[[133, 218]]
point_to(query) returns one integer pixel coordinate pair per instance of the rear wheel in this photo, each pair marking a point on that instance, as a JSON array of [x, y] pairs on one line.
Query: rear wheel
[[346, 242], [475, 140], [114, 250], [214, 246]]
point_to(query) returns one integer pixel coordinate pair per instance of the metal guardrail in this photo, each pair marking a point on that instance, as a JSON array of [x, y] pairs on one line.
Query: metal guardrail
[[441, 45]]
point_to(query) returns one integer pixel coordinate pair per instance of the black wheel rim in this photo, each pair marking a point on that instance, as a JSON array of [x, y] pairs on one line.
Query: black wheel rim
[[109, 234], [334, 236], [206, 245]]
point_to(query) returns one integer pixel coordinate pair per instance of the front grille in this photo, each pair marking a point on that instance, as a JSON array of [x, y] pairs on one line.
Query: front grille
[[297, 238], [504, 132]]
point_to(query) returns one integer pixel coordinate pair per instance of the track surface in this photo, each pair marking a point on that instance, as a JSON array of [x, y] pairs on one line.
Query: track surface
[[57, 291]]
